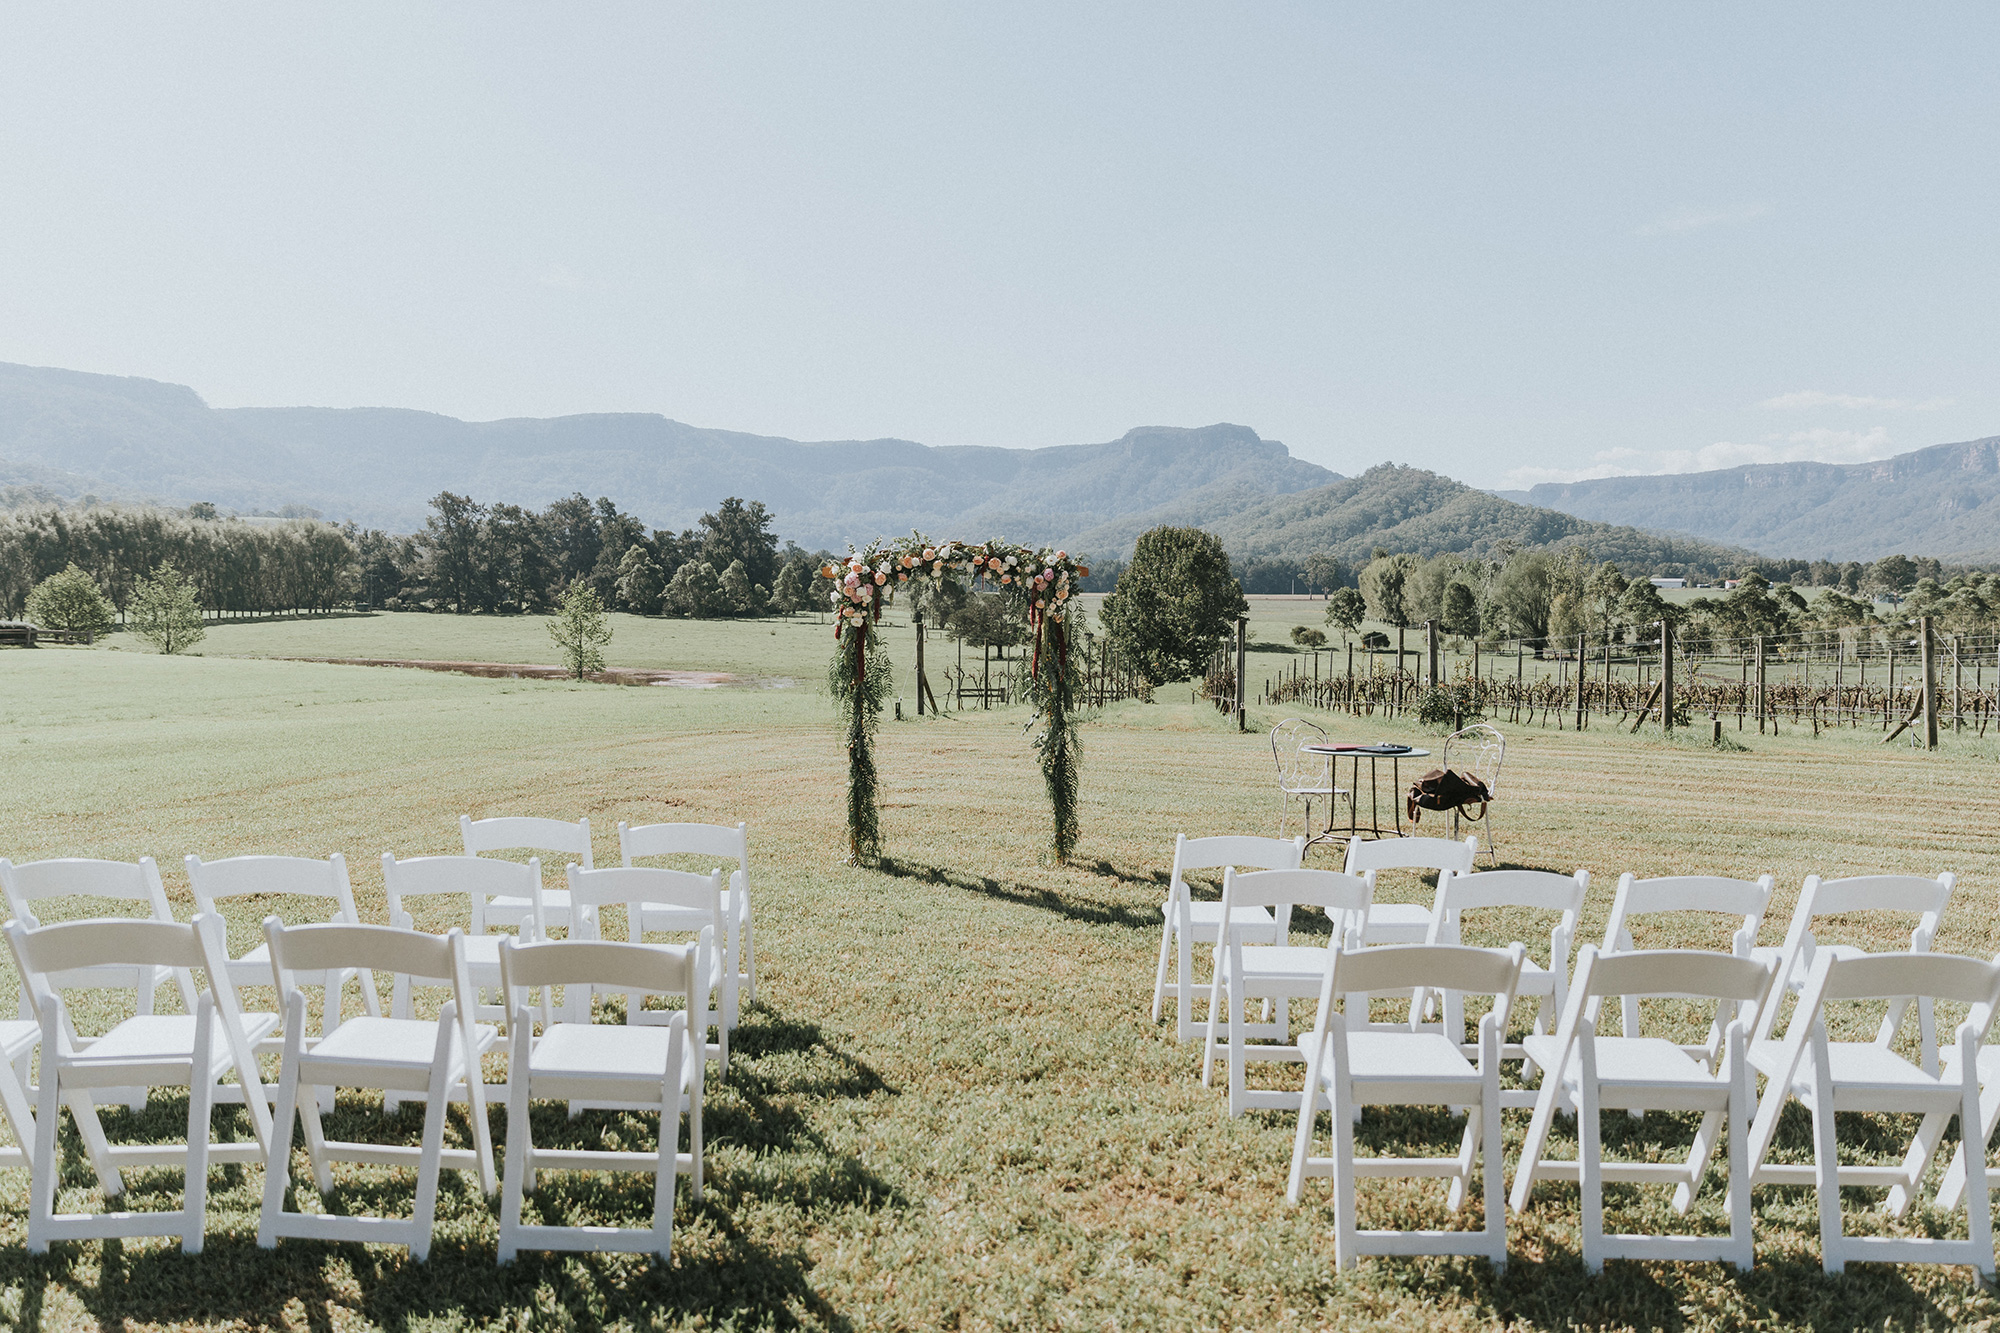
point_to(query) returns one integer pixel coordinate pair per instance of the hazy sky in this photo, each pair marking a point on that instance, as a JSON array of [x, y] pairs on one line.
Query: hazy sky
[[1512, 243]]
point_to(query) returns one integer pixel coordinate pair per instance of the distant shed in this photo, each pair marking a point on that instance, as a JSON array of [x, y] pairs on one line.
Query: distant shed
[[1659, 582]]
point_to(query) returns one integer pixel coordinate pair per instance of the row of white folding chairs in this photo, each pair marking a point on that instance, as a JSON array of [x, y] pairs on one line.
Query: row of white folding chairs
[[1413, 1061], [634, 1066]]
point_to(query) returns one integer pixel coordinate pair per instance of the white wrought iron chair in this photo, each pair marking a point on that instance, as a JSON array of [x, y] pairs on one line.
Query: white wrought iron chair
[[1834, 1076], [526, 833], [1634, 1072], [194, 1050], [1477, 751], [656, 1067], [1348, 1069], [1275, 973], [1302, 778], [725, 844], [418, 1057], [1185, 923]]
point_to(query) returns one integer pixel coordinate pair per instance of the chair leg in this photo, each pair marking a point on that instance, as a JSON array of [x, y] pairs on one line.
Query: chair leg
[[1826, 1161], [1160, 973], [1978, 1215], [201, 1095], [1589, 1152], [1344, 1239], [278, 1165], [513, 1182], [430, 1159], [42, 1177]]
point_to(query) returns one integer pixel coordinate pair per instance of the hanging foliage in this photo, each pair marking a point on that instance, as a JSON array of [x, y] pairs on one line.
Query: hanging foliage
[[1045, 579]]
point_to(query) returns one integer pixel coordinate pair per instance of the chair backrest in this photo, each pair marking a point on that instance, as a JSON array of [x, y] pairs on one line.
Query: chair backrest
[[83, 877], [1418, 969], [518, 833], [718, 841], [1439, 854], [473, 878], [1344, 898], [267, 876], [1923, 898], [1286, 738], [1688, 974], [1477, 751], [635, 887], [1745, 900], [1541, 890], [650, 968], [1250, 853], [413, 957]]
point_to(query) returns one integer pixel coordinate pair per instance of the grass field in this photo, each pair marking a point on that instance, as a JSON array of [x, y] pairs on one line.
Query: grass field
[[949, 1109]]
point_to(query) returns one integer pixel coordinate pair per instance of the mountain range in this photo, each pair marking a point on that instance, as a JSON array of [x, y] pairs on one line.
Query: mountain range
[[67, 434], [1941, 501]]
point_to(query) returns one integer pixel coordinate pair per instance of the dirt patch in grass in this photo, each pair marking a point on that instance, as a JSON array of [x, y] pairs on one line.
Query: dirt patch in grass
[[678, 680]]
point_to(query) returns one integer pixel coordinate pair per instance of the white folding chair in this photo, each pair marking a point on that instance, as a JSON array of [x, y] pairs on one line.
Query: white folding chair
[[1741, 900], [1406, 923], [1597, 1073], [1347, 1070], [1536, 890], [18, 1039], [415, 1056], [1829, 1077], [653, 1067], [1913, 895], [1274, 973], [693, 903], [110, 881], [524, 833], [720, 841], [194, 1050], [1185, 923], [260, 877], [479, 883]]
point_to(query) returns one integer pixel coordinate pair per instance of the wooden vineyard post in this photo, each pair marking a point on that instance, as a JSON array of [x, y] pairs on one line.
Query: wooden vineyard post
[[1930, 683], [1431, 634], [1580, 674], [1242, 637], [1760, 688], [1667, 677], [1400, 651], [918, 621], [1353, 706], [1957, 688], [1520, 649]]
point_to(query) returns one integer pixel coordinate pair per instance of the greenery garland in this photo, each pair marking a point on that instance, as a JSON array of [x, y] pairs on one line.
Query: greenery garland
[[1045, 579]]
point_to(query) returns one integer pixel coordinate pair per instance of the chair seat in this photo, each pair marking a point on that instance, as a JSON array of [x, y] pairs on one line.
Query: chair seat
[[1859, 1067], [505, 907], [1397, 923], [685, 918], [607, 1051], [399, 1043], [1252, 924], [1314, 791], [166, 1038], [1629, 1062], [1406, 1057], [1305, 963], [17, 1037]]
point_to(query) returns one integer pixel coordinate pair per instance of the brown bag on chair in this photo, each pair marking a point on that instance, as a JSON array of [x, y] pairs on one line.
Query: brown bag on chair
[[1445, 789]]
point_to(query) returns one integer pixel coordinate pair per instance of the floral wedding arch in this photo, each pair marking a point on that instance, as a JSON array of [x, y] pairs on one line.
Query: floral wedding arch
[[1044, 579]]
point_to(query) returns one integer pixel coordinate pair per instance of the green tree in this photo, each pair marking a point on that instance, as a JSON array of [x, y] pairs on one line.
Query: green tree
[[1641, 605], [1305, 636], [1173, 605], [581, 629], [1522, 593], [639, 581], [739, 595], [1384, 586], [1892, 575], [1602, 595], [1322, 571], [165, 610], [1461, 611], [1850, 578], [793, 591], [1345, 610], [694, 591], [72, 602]]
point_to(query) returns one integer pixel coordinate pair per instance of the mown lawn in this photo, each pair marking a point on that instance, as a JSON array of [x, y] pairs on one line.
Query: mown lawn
[[949, 1109]]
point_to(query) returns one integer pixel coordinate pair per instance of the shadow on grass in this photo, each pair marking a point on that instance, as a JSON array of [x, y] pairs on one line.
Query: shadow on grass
[[763, 1149], [1087, 911]]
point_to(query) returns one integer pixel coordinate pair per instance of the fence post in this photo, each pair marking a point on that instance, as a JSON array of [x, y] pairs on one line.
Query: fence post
[[918, 621], [1580, 674], [1760, 688], [1930, 684], [1957, 688], [1667, 677], [1431, 631], [1242, 636]]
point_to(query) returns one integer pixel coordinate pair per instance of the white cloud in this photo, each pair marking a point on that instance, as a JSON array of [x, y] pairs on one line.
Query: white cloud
[[1695, 219], [1808, 398], [1819, 445]]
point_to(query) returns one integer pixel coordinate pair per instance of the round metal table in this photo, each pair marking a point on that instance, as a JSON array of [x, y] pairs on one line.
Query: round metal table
[[1335, 751]]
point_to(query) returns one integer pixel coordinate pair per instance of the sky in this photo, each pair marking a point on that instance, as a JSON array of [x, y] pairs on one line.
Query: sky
[[1513, 243]]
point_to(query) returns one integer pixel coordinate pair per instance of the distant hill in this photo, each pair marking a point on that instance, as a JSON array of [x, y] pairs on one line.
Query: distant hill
[[66, 433], [1409, 509], [1942, 501]]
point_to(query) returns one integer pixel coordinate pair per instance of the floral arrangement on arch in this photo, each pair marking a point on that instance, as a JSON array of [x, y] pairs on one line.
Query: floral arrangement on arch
[[1046, 577]]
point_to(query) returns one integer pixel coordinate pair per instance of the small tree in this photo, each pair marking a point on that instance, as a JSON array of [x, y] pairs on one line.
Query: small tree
[[639, 580], [580, 629], [1345, 610], [165, 610], [695, 591], [1322, 571], [1305, 636], [1173, 605], [1385, 587], [793, 591], [1461, 611], [72, 602], [740, 596]]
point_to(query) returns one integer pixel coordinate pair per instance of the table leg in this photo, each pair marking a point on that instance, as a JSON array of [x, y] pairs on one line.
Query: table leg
[[1396, 794]]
